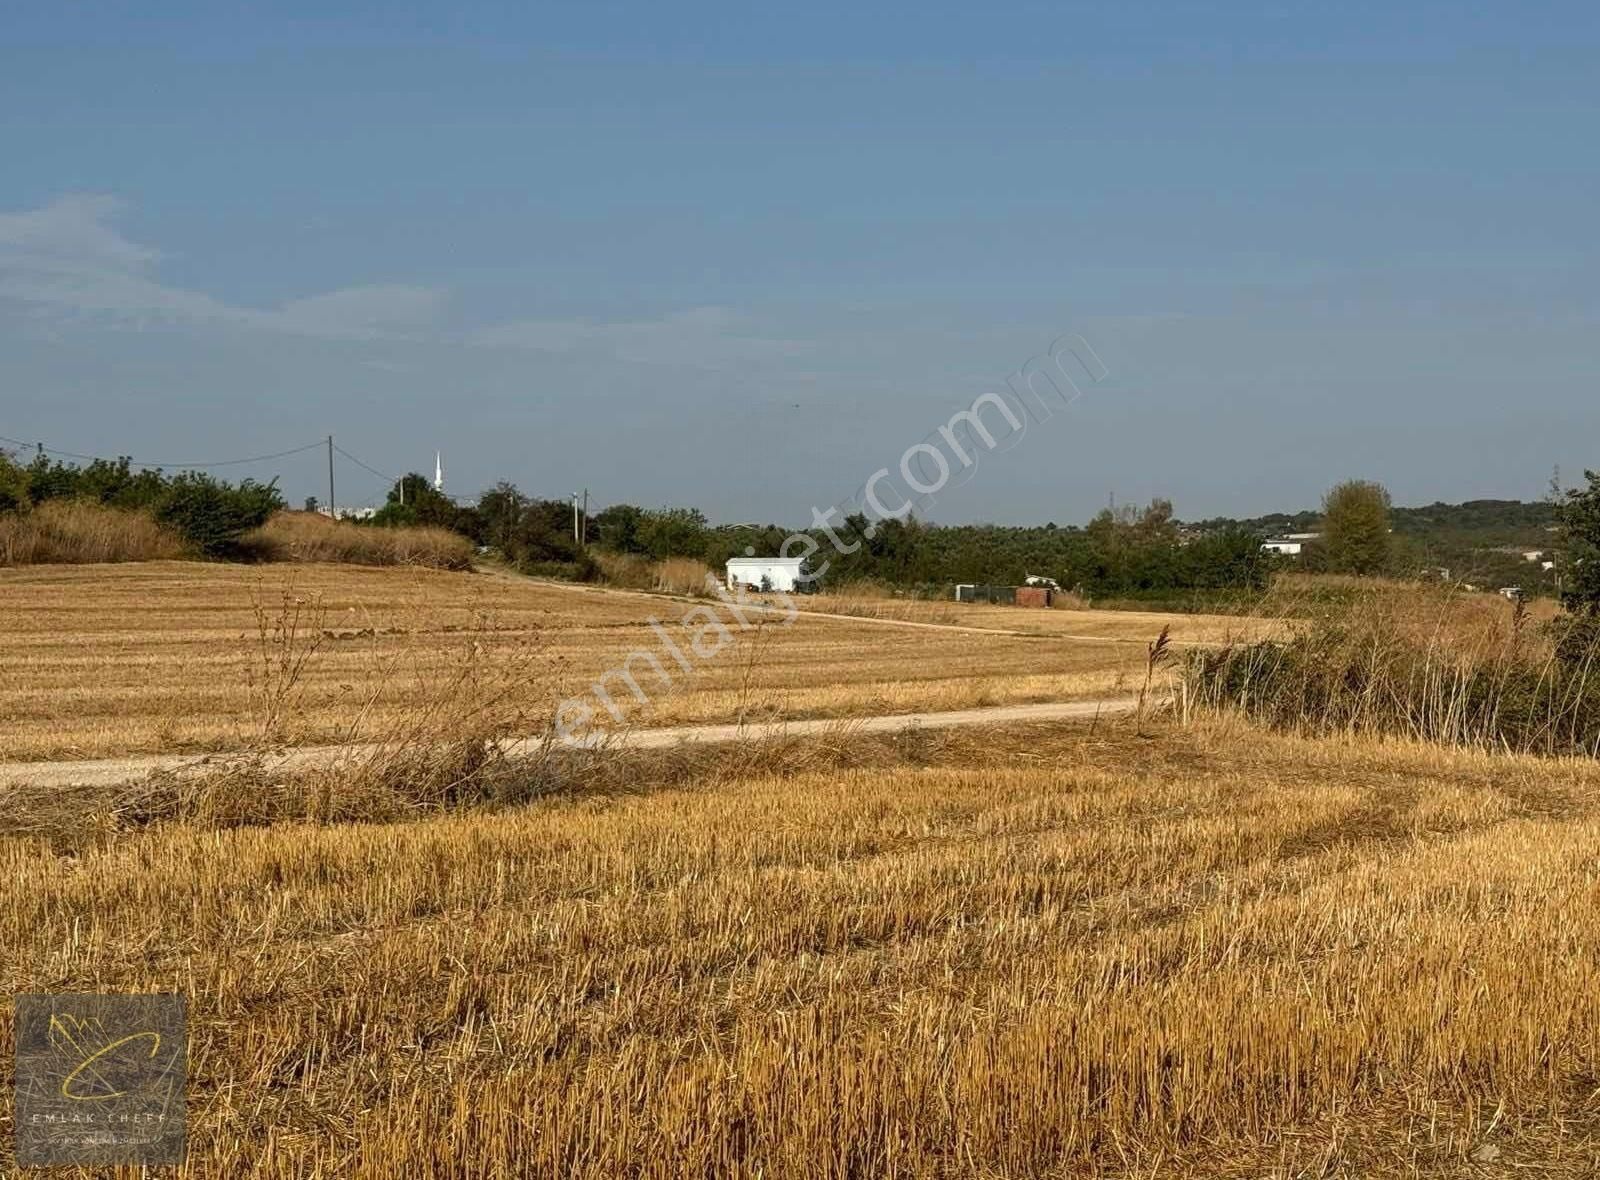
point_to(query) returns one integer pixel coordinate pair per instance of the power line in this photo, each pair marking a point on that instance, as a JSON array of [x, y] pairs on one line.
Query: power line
[[146, 463], [365, 466]]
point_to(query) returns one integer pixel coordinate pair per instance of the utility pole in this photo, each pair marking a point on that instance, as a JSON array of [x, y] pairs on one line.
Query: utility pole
[[333, 511], [576, 540], [583, 538]]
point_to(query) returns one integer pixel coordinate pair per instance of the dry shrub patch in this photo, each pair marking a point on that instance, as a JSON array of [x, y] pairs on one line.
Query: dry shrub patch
[[310, 536], [1433, 666], [82, 532]]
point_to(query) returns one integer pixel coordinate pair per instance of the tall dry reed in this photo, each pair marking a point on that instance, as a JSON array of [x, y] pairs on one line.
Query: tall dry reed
[[1433, 666], [78, 532], [310, 536]]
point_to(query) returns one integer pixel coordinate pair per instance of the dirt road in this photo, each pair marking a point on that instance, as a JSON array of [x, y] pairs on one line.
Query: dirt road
[[110, 771], [805, 612]]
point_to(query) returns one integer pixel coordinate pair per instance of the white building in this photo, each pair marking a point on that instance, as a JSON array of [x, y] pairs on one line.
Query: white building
[[1290, 544], [784, 575]]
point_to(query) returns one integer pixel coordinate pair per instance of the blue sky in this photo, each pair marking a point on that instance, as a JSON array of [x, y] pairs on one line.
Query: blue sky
[[741, 257]]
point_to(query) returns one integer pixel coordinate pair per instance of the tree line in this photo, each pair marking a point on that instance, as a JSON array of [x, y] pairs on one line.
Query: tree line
[[210, 514], [1130, 552]]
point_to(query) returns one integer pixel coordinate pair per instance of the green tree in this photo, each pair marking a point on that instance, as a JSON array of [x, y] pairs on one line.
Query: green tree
[[617, 529], [413, 500], [13, 484], [1578, 515], [499, 510], [1355, 528], [673, 532]]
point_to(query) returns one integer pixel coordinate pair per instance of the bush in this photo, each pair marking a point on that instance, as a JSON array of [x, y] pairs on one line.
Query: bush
[[213, 516], [81, 532]]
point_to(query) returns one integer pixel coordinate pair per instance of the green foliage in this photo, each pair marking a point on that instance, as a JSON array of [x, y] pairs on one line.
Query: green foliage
[[212, 515], [13, 484], [672, 532], [1355, 528], [498, 511], [107, 481], [209, 513], [617, 529], [1578, 514], [1129, 553], [413, 501]]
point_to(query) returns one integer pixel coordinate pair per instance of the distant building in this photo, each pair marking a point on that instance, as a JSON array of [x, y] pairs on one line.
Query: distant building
[[1290, 544], [366, 513], [782, 575]]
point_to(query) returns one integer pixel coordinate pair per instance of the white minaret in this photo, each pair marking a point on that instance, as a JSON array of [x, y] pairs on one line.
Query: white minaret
[[438, 471]]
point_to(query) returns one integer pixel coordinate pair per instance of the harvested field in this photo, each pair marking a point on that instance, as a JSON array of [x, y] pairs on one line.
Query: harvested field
[[173, 656], [1004, 953], [1136, 627]]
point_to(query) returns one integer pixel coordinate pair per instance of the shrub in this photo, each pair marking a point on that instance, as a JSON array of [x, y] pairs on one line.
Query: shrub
[[212, 515], [81, 532]]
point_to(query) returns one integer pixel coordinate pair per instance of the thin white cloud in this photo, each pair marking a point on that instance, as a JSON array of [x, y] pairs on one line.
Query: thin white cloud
[[700, 337], [68, 259]]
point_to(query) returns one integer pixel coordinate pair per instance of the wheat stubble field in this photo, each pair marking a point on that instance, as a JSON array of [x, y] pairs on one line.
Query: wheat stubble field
[[1131, 949], [1009, 953], [156, 657]]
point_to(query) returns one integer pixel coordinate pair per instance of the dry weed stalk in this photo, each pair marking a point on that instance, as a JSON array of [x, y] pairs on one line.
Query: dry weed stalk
[[287, 640], [1158, 655]]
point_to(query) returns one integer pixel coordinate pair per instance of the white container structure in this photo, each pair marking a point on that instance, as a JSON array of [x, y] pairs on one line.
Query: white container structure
[[781, 575]]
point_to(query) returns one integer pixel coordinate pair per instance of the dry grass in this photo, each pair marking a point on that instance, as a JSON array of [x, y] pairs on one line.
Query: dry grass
[[681, 575], [630, 571], [1072, 621], [1430, 664], [310, 536], [1007, 954], [164, 657], [626, 571], [83, 532]]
